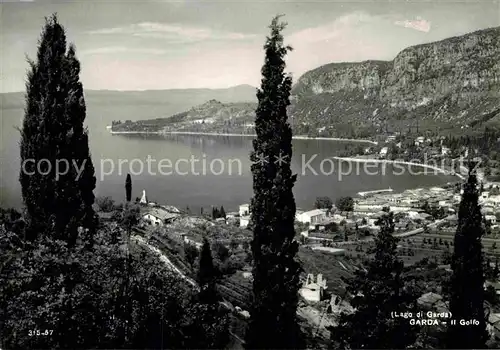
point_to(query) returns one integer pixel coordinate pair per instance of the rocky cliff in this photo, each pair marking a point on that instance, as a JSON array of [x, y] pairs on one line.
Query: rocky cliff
[[456, 80]]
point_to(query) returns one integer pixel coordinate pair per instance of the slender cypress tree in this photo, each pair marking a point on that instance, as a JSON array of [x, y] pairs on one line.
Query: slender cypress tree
[[57, 174], [210, 330], [207, 275], [467, 280], [378, 290], [128, 188], [273, 323], [78, 143]]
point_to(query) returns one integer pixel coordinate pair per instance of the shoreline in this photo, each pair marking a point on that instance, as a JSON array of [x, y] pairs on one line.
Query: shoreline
[[387, 161], [298, 137]]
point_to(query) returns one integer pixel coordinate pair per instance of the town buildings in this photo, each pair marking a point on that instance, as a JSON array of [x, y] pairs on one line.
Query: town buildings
[[159, 216], [313, 290], [244, 213], [311, 217]]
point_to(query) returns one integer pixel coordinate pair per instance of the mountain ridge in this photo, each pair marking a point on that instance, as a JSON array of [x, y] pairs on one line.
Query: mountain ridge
[[185, 97], [455, 79]]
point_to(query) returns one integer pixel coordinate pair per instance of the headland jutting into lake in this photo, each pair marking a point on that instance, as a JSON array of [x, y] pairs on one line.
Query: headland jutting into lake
[[298, 137]]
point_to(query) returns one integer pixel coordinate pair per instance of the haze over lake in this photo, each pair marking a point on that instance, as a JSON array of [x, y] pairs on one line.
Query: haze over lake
[[193, 189]]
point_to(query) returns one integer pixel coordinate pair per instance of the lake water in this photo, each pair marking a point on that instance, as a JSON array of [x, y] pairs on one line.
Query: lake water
[[197, 185]]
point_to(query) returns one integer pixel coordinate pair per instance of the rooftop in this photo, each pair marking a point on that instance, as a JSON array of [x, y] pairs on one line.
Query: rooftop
[[314, 212], [161, 213]]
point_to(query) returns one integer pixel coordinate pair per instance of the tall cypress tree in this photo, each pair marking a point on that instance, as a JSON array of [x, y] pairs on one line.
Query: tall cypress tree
[[377, 290], [273, 323], [53, 136], [210, 329], [207, 275], [467, 280], [128, 188]]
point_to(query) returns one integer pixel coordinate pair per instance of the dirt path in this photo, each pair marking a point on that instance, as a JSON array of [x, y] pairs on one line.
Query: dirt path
[[164, 259]]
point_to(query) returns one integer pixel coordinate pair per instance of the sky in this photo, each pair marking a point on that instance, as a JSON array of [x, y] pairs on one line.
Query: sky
[[142, 45]]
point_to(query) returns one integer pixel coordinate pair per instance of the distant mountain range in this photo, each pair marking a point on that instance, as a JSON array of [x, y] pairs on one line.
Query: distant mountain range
[[181, 97], [449, 84]]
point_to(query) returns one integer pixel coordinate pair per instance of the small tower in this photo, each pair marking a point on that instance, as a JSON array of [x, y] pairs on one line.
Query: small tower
[[144, 199]]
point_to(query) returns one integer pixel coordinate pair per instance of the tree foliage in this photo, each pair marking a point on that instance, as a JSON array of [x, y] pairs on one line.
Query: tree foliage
[[323, 203], [190, 253], [57, 174], [207, 275], [276, 270], [128, 188], [214, 323], [345, 204], [105, 204], [467, 280], [222, 252], [80, 295]]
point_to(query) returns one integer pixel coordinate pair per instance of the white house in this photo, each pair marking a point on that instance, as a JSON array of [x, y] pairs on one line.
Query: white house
[[444, 151], [383, 152], [244, 209], [401, 209], [491, 218], [311, 217], [159, 216], [487, 210], [311, 290], [244, 220], [493, 200]]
